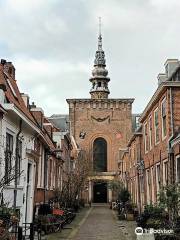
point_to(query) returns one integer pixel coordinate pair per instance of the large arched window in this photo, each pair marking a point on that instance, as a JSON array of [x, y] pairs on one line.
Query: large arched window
[[100, 155]]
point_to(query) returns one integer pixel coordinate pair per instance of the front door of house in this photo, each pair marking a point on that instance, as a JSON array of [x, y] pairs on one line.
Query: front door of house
[[100, 192]]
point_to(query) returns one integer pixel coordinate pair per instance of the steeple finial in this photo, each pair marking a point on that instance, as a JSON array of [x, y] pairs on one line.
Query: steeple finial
[[99, 26], [100, 37], [100, 57]]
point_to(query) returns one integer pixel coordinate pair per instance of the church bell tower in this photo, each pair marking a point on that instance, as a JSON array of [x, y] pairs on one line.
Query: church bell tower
[[99, 77]]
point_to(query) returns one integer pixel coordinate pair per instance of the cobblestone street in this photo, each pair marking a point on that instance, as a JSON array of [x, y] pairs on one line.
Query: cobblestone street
[[101, 224], [96, 223]]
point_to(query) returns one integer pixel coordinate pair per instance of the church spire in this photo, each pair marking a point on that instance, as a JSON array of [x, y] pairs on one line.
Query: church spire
[[100, 37], [99, 78]]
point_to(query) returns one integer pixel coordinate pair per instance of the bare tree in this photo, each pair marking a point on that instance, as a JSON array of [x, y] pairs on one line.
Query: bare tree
[[9, 176], [74, 181]]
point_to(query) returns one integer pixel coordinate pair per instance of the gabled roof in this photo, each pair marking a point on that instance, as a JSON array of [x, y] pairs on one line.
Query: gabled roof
[[13, 97], [12, 93]]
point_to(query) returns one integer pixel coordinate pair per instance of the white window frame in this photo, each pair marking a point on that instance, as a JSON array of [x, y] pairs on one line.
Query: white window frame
[[164, 180], [12, 134], [145, 137], [150, 133], [162, 125], [157, 182], [155, 128], [177, 177]]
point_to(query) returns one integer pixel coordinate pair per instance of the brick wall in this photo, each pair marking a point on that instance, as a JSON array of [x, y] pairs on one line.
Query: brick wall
[[111, 120]]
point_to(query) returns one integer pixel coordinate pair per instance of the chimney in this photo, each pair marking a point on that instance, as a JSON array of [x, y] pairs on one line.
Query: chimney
[[38, 114], [170, 66], [3, 62], [161, 78], [9, 68], [25, 98], [2, 79]]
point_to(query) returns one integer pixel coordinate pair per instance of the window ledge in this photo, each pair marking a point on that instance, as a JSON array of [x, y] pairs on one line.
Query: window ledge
[[19, 187], [40, 188]]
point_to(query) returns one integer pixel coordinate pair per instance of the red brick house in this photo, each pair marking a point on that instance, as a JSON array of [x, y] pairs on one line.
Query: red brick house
[[157, 146], [132, 168]]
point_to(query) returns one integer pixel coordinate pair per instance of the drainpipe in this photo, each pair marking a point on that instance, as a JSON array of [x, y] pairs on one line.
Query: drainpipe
[[16, 163], [170, 150]]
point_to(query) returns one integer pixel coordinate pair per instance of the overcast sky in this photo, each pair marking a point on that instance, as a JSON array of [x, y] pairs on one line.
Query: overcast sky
[[52, 44]]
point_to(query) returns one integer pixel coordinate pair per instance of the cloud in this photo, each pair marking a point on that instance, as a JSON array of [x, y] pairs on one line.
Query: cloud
[[31, 27], [50, 83]]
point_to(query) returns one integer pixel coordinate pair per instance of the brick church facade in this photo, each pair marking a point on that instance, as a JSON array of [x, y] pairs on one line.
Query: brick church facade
[[101, 126]]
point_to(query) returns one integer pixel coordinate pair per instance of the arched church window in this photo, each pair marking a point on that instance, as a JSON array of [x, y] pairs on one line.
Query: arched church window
[[100, 155]]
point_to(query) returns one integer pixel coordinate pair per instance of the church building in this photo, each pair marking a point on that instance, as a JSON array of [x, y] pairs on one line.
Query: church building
[[101, 127]]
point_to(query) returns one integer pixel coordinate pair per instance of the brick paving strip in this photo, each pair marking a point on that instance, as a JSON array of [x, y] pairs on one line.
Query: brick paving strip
[[102, 224], [71, 228]]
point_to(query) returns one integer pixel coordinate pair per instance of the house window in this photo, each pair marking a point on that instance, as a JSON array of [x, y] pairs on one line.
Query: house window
[[163, 115], [19, 159], [156, 126], [8, 158], [165, 173], [150, 133], [178, 169], [145, 137], [158, 177], [137, 122]]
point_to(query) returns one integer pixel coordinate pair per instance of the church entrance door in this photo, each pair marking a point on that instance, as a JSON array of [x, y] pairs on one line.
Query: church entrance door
[[100, 192]]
